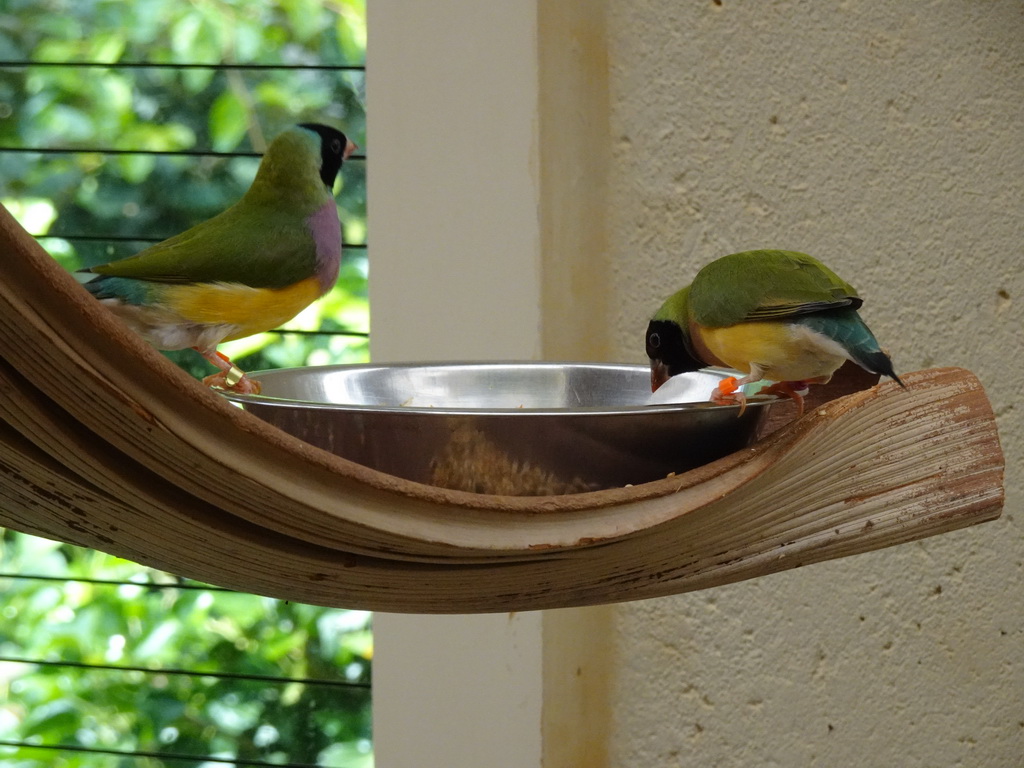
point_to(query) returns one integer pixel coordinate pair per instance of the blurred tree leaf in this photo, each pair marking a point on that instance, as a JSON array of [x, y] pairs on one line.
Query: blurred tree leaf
[[228, 121]]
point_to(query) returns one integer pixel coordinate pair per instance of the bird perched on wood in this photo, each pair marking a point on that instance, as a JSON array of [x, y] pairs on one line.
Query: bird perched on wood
[[246, 270], [777, 315]]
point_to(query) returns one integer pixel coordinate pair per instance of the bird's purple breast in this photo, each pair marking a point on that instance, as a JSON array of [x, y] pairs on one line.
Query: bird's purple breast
[[326, 231]]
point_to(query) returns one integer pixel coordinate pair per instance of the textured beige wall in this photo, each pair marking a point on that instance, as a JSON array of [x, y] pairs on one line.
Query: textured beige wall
[[886, 139]]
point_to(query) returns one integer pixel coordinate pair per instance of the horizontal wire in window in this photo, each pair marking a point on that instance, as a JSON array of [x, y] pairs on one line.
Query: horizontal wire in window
[[127, 239], [119, 582], [140, 239], [294, 332], [15, 64], [163, 756], [188, 673], [154, 152]]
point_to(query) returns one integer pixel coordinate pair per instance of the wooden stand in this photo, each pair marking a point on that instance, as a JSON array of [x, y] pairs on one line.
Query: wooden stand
[[105, 444]]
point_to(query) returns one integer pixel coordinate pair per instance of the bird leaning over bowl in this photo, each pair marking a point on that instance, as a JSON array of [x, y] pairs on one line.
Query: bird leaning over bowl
[[246, 270], [776, 315]]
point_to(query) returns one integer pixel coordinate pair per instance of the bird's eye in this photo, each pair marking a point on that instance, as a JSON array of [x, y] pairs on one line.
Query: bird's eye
[[336, 147], [654, 340]]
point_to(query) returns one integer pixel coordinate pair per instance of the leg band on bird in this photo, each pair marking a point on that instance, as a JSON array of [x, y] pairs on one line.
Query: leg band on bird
[[233, 375]]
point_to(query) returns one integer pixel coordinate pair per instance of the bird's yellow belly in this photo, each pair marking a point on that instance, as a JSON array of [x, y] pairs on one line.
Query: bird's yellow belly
[[250, 310], [782, 351]]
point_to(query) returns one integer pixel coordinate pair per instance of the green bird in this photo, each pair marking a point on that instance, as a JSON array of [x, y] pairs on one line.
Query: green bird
[[777, 315], [246, 270]]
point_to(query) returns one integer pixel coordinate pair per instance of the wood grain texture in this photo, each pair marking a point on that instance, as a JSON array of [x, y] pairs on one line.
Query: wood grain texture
[[105, 444]]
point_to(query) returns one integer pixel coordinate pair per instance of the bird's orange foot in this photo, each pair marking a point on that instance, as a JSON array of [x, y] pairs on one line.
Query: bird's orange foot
[[728, 392], [794, 390], [230, 377], [233, 380]]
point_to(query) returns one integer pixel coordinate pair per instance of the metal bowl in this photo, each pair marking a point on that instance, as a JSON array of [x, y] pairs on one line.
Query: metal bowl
[[508, 428]]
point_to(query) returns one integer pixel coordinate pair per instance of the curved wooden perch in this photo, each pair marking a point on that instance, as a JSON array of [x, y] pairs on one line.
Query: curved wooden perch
[[105, 444]]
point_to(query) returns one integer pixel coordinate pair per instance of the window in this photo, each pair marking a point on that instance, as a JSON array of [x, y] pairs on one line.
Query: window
[[101, 658], [122, 124]]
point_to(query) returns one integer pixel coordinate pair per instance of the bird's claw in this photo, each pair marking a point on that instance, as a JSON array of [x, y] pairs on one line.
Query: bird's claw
[[728, 392], [794, 390], [230, 377], [233, 380]]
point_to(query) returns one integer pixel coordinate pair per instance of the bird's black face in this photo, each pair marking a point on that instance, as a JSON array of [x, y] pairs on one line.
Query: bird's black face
[[668, 352], [334, 149]]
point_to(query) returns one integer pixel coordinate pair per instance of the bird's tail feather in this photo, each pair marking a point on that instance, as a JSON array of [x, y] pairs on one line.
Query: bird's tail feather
[[124, 289], [877, 362], [846, 328]]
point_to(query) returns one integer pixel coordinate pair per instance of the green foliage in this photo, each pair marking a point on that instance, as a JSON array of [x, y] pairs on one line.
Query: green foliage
[[91, 205], [321, 716]]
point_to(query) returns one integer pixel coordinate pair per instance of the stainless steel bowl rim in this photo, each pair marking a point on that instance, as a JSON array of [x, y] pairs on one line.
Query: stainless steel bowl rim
[[633, 410]]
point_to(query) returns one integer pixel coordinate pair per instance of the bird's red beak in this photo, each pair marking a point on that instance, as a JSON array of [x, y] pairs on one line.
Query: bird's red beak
[[659, 374], [349, 149]]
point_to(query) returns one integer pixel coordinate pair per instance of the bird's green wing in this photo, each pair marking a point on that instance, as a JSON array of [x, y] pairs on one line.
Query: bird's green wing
[[260, 246], [761, 285]]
